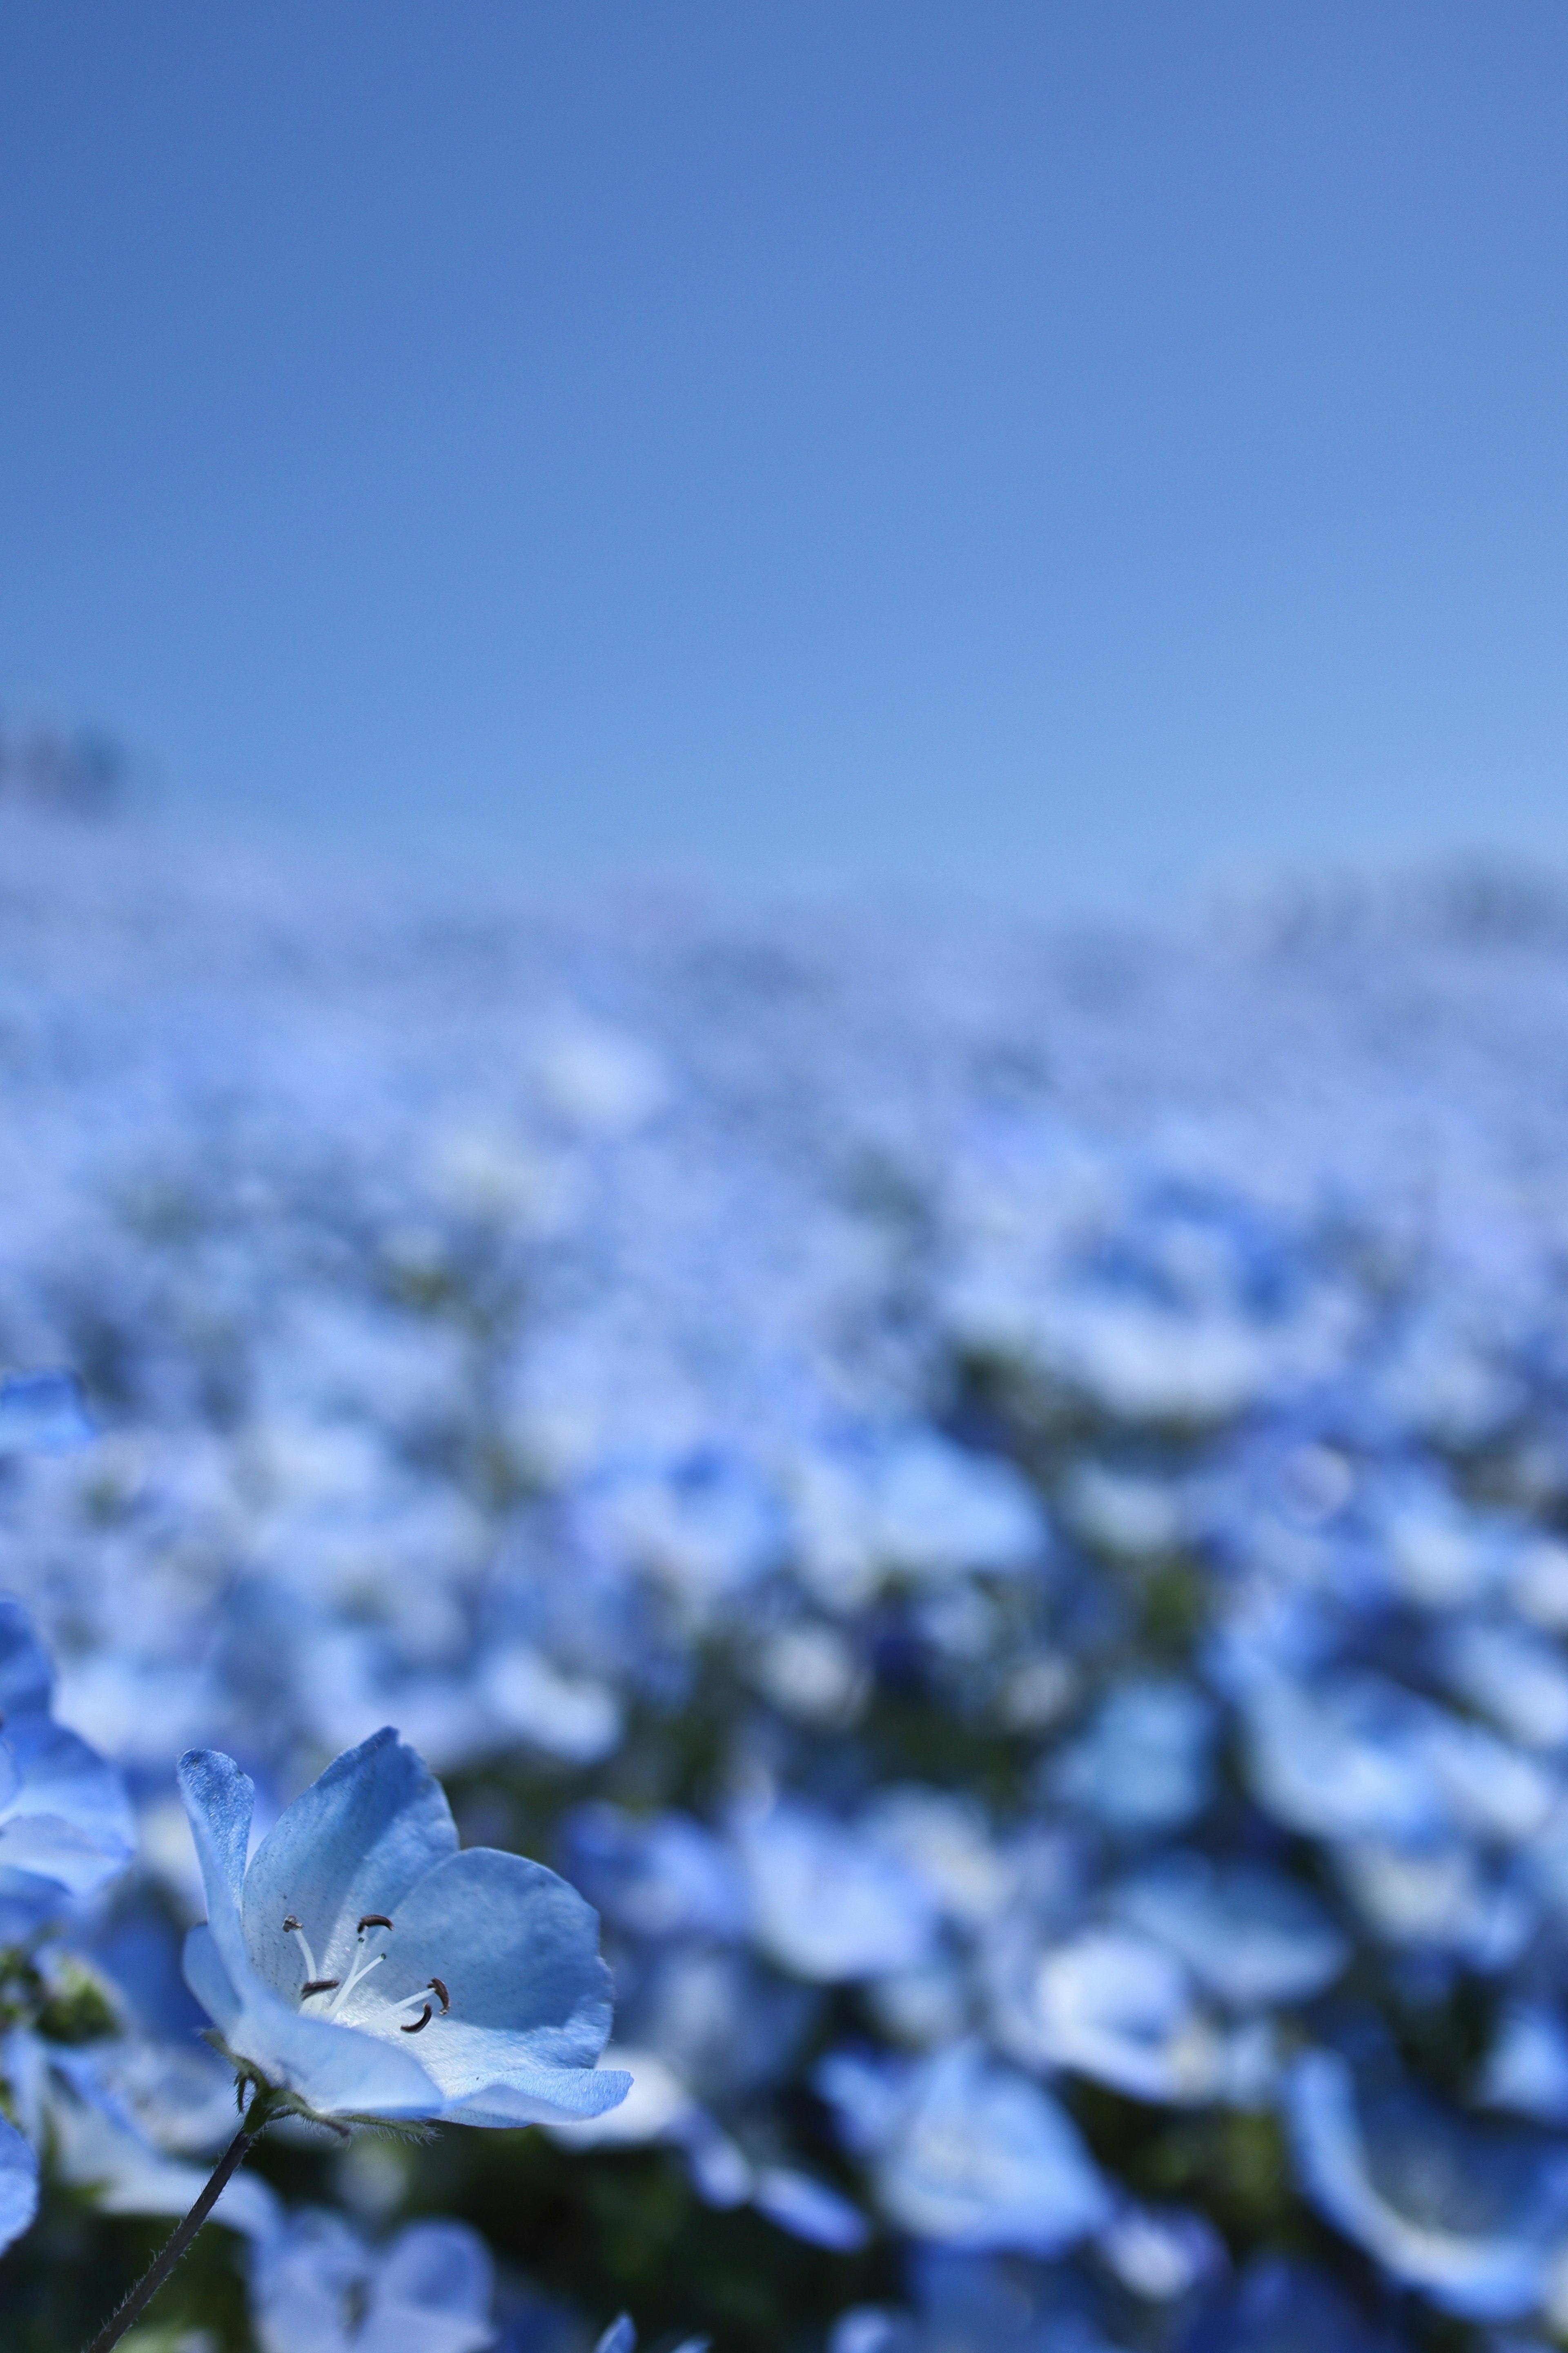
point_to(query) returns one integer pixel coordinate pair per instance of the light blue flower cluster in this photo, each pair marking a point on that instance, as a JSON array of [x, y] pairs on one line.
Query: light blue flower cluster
[[1005, 1502]]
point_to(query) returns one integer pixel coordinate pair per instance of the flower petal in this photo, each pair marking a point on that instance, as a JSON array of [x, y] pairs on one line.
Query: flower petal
[[18, 2184], [355, 1842], [218, 1799]]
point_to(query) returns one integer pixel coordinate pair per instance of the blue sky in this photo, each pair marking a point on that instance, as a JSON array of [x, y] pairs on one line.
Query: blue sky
[[1053, 451]]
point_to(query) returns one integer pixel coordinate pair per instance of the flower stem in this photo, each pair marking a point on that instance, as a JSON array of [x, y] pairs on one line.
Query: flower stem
[[158, 2270]]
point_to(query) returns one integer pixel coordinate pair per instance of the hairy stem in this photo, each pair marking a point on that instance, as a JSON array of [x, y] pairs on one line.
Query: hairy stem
[[135, 2304]]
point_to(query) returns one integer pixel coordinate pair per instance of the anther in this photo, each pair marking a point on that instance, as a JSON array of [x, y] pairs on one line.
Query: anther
[[420, 2023], [437, 1986], [373, 1920], [319, 1985], [289, 1924]]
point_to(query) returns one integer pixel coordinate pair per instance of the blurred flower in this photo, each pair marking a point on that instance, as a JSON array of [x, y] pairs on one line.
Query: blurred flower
[[317, 2288], [66, 1824]]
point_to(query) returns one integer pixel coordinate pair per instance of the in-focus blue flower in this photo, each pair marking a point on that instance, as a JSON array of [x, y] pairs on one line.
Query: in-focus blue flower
[[66, 1824], [1465, 2212], [315, 2287], [364, 1968], [18, 2184]]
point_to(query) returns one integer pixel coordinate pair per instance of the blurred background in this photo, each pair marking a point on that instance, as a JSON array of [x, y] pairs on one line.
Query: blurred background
[[783, 1041]]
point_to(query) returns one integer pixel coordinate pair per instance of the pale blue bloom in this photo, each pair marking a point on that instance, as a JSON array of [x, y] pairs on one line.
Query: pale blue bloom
[[1526, 2071], [1109, 2004], [485, 2001], [967, 2152], [18, 2183], [1144, 1763], [1465, 2212], [668, 1876], [317, 2288], [827, 1902], [1250, 1936], [42, 1413], [1282, 2306], [66, 1824], [82, 2105]]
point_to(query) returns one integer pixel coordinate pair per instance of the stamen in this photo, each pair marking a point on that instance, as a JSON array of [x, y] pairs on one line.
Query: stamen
[[357, 1975], [318, 1985], [420, 2023], [291, 1928], [437, 1986], [373, 1920]]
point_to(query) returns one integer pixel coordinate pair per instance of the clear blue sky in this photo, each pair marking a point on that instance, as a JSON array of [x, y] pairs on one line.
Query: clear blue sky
[[1030, 448]]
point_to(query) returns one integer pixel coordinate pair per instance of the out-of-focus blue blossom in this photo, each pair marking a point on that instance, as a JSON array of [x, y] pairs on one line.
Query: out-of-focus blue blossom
[[1284, 2307], [1111, 2005], [1006, 1501], [42, 1412], [1144, 1763], [1252, 1938], [123, 2124], [1465, 2212], [660, 1878], [1526, 2071], [317, 2288], [496, 1966], [18, 2183], [827, 1903], [66, 1824], [969, 2153]]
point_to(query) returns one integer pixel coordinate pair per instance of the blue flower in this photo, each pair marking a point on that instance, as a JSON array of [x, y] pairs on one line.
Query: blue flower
[[315, 2287], [42, 1413], [366, 1968], [968, 2153], [1465, 2212], [66, 1824], [18, 2184]]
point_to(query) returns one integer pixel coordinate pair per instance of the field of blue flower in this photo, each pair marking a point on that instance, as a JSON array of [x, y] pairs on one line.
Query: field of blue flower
[[996, 1502]]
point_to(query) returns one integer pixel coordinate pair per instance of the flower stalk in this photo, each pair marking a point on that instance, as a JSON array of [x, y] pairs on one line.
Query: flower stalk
[[257, 2116]]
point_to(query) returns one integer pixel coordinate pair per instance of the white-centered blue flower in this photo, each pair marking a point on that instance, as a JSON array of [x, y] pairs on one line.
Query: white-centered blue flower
[[66, 1824], [364, 1968]]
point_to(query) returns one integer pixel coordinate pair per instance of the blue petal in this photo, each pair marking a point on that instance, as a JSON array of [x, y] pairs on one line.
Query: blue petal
[[18, 2184], [333, 2071], [26, 1678], [438, 2267], [42, 1413], [218, 1799], [518, 1952], [619, 2337], [1468, 2217], [355, 1842], [808, 2210]]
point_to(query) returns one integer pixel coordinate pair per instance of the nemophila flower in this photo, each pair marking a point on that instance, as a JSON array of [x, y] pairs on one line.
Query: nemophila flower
[[364, 1968], [66, 1824], [79, 2105], [42, 1413], [967, 2153], [317, 2288], [1466, 2212], [18, 2183]]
